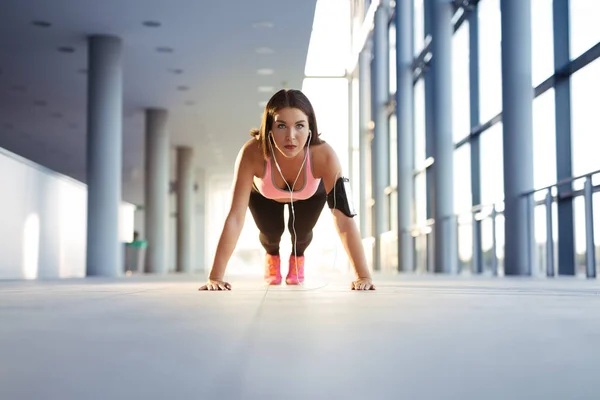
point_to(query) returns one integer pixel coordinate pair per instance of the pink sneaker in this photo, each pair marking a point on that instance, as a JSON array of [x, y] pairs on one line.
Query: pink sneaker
[[272, 269], [295, 271]]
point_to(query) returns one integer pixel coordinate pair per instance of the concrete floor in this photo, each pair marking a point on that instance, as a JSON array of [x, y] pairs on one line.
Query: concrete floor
[[416, 337]]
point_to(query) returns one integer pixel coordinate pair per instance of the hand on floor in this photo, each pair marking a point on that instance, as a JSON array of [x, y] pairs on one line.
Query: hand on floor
[[214, 284], [362, 284]]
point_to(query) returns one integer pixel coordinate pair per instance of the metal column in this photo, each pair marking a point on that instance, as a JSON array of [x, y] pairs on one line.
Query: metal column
[[445, 231], [200, 223], [562, 95], [380, 151], [185, 209], [364, 90], [405, 131], [157, 190], [104, 155], [475, 153], [517, 103]]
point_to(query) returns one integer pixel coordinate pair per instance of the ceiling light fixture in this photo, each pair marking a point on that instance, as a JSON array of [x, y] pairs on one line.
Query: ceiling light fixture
[[266, 89], [264, 50], [41, 24], [265, 71], [152, 24], [262, 25]]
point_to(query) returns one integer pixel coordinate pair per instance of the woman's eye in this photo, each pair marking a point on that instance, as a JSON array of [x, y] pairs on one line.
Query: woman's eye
[[299, 126], [281, 126]]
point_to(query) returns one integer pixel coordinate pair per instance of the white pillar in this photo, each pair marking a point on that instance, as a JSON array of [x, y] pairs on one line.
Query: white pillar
[[156, 190], [104, 155], [185, 209]]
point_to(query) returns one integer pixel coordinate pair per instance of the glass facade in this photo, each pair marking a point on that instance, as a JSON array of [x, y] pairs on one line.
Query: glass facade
[[484, 177]]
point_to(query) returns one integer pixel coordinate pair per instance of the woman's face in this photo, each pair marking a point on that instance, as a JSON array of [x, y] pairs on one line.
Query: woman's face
[[290, 131]]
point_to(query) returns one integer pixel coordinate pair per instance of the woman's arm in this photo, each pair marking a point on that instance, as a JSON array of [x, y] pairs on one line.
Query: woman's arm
[[346, 226], [244, 173]]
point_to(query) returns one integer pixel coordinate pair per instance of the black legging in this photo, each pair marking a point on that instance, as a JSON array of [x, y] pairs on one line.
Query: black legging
[[268, 216]]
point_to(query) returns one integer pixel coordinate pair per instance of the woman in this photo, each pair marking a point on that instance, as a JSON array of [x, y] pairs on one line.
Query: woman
[[287, 163]]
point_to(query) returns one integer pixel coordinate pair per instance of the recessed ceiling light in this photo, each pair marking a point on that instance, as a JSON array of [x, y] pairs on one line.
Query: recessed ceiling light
[[152, 24], [164, 49], [266, 89], [183, 88], [41, 24], [66, 49], [264, 24], [265, 71], [264, 50]]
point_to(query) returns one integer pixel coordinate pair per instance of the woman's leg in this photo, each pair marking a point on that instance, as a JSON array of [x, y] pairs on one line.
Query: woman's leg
[[307, 213], [268, 216]]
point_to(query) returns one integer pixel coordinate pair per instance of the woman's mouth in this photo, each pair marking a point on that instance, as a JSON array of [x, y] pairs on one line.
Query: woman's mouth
[[290, 147]]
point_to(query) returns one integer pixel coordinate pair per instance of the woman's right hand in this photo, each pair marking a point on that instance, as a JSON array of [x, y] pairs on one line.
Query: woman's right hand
[[214, 284]]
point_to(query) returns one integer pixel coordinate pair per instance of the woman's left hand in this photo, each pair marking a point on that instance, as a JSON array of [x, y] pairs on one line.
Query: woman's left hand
[[362, 284]]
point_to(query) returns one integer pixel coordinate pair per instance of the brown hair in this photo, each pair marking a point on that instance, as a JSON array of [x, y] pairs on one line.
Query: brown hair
[[285, 98]]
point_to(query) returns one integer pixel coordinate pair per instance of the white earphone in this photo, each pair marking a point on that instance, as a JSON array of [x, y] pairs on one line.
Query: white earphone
[[291, 189]]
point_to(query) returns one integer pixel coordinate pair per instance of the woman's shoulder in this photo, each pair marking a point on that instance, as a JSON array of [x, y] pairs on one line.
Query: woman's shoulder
[[251, 154], [321, 151], [323, 157]]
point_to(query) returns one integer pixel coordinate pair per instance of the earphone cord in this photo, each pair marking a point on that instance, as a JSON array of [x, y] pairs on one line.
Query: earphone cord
[[292, 197]]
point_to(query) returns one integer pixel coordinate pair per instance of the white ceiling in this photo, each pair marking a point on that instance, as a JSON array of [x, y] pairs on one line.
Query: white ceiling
[[43, 90]]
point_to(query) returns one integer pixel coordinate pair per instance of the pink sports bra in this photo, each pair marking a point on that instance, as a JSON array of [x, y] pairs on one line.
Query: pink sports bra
[[266, 185]]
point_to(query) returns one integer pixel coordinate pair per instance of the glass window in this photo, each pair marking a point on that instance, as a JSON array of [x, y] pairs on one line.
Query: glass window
[[419, 26], [419, 123], [544, 140], [461, 110], [585, 33], [393, 151], [462, 179], [492, 164], [490, 66], [585, 97], [392, 58], [329, 45], [542, 41], [420, 198]]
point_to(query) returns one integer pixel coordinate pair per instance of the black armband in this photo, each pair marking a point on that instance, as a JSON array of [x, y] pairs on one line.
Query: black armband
[[340, 197]]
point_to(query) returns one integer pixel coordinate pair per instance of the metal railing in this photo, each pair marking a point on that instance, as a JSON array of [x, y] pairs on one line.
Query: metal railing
[[480, 213], [588, 190]]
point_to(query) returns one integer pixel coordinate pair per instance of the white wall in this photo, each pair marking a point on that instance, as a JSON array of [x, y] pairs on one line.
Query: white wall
[[43, 221]]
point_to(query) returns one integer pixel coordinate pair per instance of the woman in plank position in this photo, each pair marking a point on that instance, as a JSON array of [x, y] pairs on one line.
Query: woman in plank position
[[286, 162]]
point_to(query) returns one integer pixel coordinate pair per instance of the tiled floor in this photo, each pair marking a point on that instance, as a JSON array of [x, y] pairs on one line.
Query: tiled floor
[[416, 337]]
